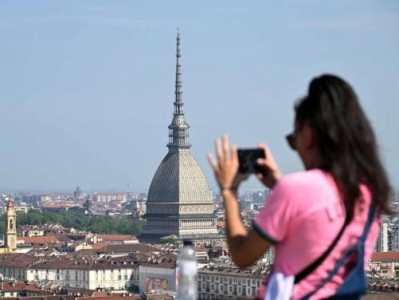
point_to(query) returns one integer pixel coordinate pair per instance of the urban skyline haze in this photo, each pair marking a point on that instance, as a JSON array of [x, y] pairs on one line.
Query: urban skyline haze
[[87, 88]]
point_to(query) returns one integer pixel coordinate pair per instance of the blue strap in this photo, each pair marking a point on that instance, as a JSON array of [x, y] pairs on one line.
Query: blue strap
[[358, 247], [369, 222]]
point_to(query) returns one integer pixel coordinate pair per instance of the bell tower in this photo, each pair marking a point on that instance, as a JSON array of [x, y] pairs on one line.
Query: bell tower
[[10, 240]]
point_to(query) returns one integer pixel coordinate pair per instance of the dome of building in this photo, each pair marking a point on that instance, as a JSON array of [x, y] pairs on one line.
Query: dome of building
[[179, 178]]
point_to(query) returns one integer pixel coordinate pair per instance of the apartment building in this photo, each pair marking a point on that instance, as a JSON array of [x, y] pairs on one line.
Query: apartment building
[[228, 282], [79, 272]]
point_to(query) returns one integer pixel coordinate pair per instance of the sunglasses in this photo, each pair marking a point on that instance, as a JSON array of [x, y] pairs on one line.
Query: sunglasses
[[291, 140]]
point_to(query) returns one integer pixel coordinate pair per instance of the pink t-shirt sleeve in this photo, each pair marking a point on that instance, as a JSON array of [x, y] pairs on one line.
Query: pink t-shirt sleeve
[[274, 220]]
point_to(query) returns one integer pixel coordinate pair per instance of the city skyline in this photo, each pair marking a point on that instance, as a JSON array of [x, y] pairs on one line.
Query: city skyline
[[87, 89]]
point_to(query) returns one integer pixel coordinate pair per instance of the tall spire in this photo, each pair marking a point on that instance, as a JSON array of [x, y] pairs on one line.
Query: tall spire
[[178, 129], [179, 81]]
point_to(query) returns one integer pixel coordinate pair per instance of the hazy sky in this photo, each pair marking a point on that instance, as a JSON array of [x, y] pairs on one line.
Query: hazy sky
[[86, 87]]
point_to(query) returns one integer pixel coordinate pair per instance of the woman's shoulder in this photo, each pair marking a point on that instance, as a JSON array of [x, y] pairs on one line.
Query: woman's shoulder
[[311, 184], [306, 179], [305, 193]]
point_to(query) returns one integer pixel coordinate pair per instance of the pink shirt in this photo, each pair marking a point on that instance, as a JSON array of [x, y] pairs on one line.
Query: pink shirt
[[302, 216]]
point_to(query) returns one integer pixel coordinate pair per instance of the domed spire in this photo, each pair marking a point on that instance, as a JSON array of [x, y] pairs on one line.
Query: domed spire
[[179, 201], [178, 129]]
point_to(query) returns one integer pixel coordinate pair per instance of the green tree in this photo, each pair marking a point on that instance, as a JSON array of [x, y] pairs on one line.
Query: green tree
[[77, 219]]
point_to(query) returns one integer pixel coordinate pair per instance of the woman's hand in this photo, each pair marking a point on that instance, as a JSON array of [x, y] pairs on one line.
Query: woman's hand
[[272, 173], [226, 165]]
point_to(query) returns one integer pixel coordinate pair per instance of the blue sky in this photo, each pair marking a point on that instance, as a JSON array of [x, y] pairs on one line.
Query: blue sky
[[87, 87]]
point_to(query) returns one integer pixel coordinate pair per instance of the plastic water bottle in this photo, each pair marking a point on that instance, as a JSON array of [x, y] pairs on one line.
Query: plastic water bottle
[[187, 284]]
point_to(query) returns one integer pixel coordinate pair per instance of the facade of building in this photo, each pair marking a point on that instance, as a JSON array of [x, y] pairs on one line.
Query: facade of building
[[385, 264], [75, 273], [395, 239], [179, 200], [218, 282], [383, 238], [110, 197], [30, 230]]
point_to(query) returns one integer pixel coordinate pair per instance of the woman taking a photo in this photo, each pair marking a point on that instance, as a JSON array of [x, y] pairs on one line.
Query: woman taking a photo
[[321, 211]]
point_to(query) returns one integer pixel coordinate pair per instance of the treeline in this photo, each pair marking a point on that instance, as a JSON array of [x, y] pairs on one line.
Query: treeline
[[78, 220]]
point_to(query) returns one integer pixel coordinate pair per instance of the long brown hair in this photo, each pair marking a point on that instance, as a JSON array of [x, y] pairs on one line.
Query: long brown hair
[[346, 140]]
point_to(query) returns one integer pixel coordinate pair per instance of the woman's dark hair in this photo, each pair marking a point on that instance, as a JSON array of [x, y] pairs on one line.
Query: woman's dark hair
[[345, 139]]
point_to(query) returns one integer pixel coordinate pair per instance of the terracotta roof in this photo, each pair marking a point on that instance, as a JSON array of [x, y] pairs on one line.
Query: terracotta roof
[[164, 261], [84, 253], [126, 248], [38, 251], [385, 256], [84, 264], [7, 286], [62, 238], [45, 297], [110, 297], [40, 239], [77, 236], [117, 237], [160, 265], [159, 297], [98, 246], [99, 294], [16, 260]]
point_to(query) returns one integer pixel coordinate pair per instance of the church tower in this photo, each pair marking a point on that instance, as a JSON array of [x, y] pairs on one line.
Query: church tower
[[10, 239], [179, 202]]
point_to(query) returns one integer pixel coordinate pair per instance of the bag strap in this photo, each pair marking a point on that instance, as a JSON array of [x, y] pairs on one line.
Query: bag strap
[[310, 268], [369, 222], [344, 257]]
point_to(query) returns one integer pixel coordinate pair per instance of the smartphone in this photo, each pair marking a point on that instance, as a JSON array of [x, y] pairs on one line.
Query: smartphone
[[247, 160]]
